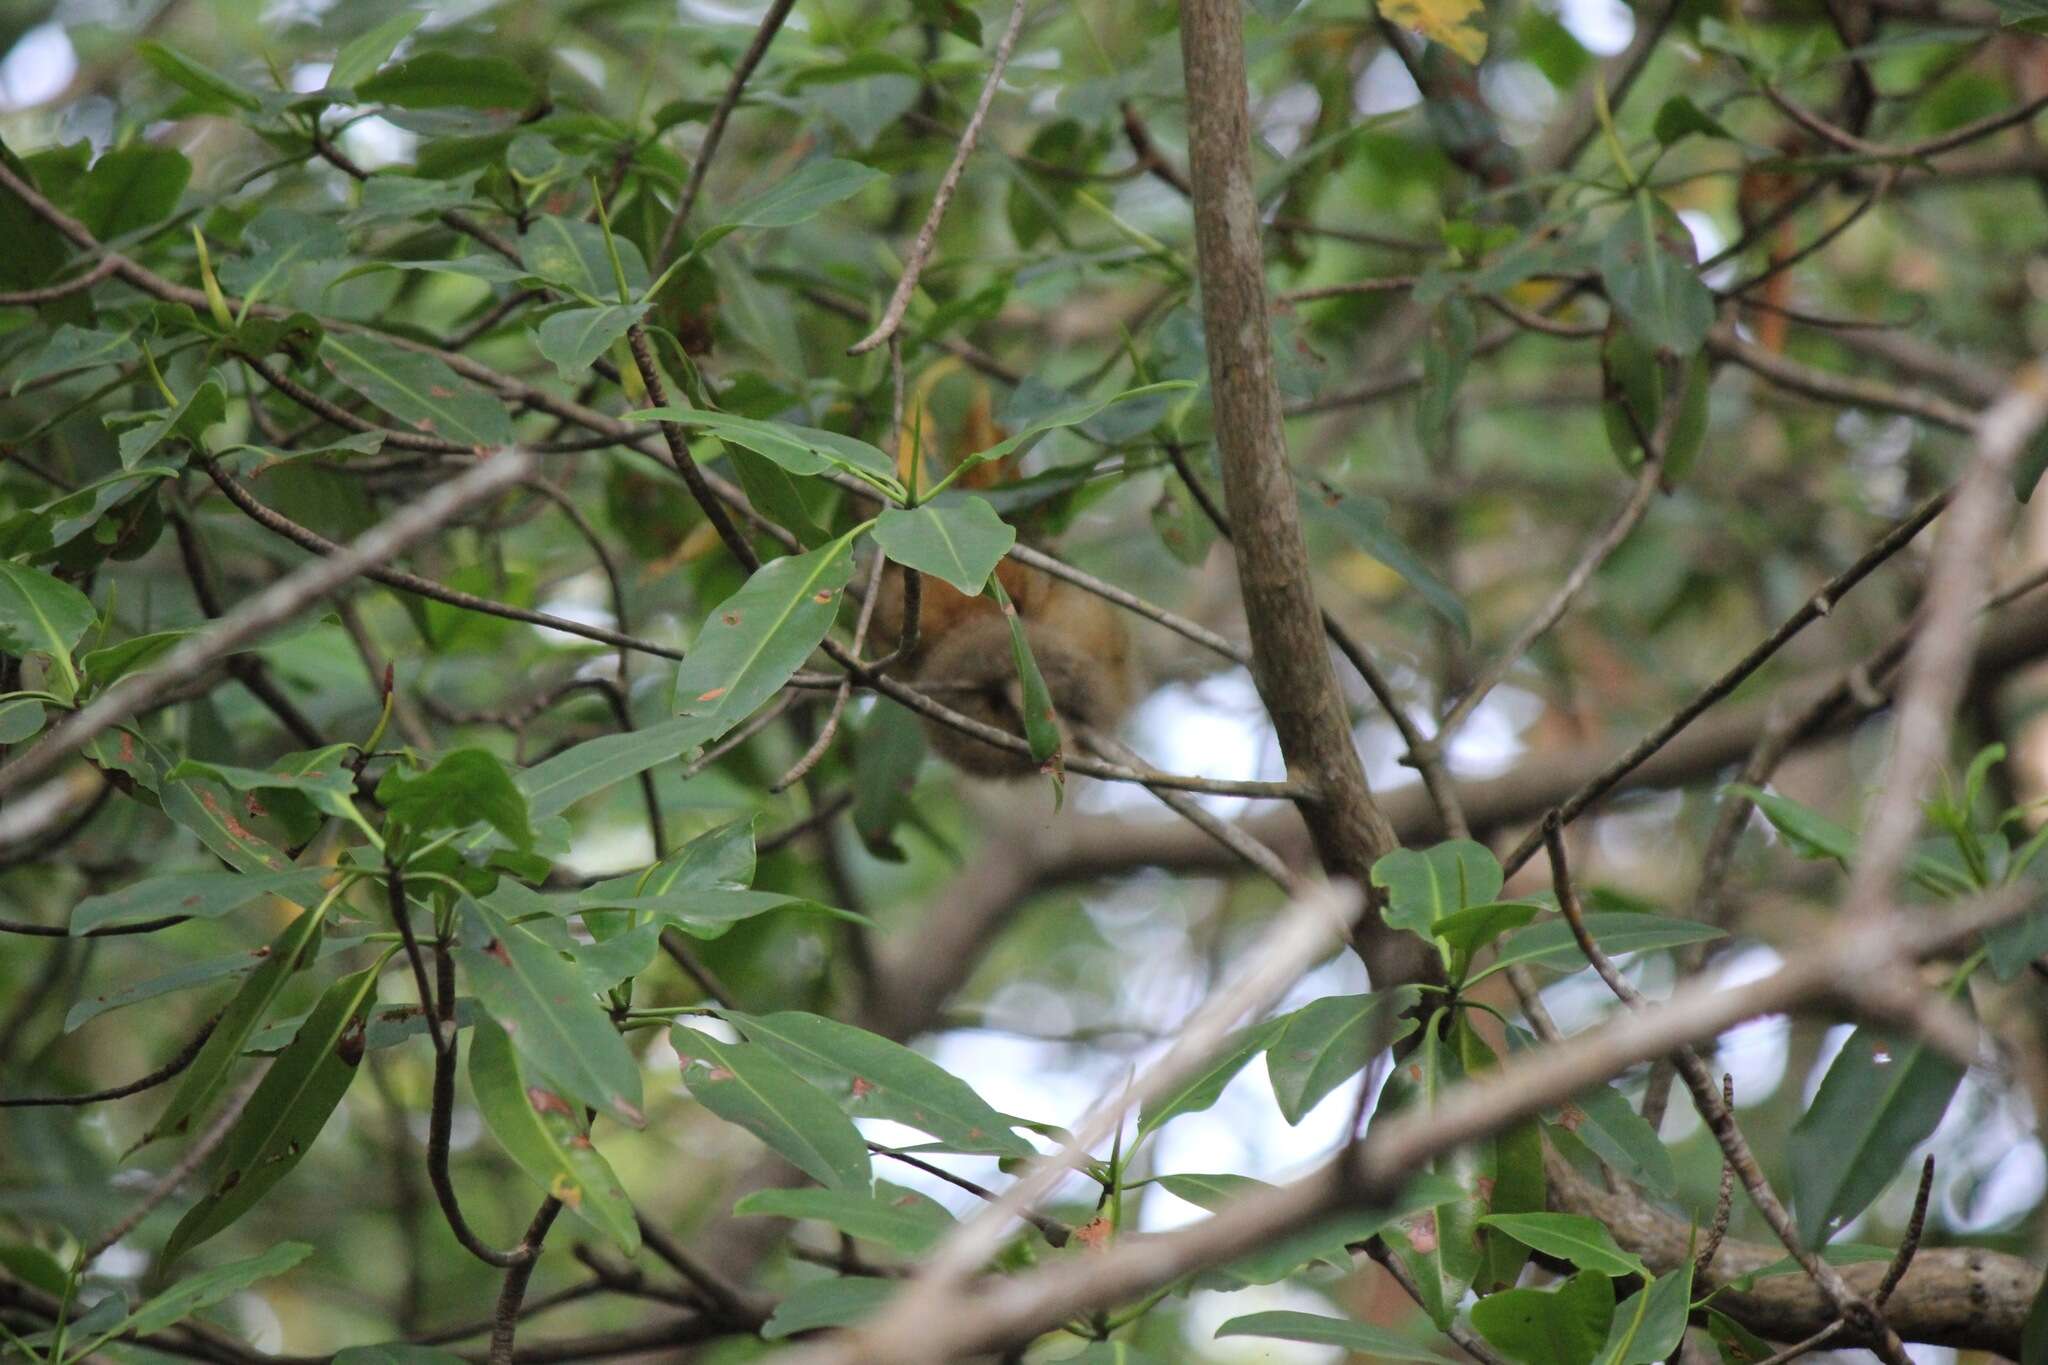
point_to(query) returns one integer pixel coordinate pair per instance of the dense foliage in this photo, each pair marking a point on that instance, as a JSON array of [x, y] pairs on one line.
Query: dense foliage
[[475, 872]]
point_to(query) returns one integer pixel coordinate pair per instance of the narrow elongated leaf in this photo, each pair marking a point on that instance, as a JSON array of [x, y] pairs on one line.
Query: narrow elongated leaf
[[1606, 1122], [215, 815], [1324, 1044], [208, 1074], [1377, 1342], [902, 1220], [1566, 1325], [814, 186], [362, 55], [761, 635], [1327, 1240], [574, 338], [419, 390], [1882, 1097], [874, 1077], [208, 1288], [554, 1020], [800, 450], [702, 889], [836, 1302], [545, 1135], [747, 1084], [1204, 1085], [213, 92], [1551, 944], [1813, 835], [290, 1107], [1583, 1241], [441, 80], [959, 542], [1424, 886], [1069, 416], [198, 895], [553, 786]]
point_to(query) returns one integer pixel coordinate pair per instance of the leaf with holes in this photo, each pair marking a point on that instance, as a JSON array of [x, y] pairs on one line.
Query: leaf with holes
[[748, 1084], [960, 542], [546, 1137], [761, 635]]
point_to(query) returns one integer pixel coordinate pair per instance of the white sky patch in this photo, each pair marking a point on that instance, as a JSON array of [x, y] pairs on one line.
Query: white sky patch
[[1385, 87], [1522, 96], [307, 77], [1285, 119], [376, 142], [1490, 741], [1603, 27], [38, 68]]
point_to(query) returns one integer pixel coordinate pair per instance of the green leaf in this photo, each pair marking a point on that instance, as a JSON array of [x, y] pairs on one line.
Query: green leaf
[[573, 255], [1071, 415], [747, 1084], [197, 895], [1650, 267], [1327, 1239], [131, 188], [1737, 1344], [546, 1137], [20, 719], [835, 1302], [206, 1289], [1606, 1122], [212, 92], [1881, 1098], [1468, 932], [761, 635], [40, 615], [1315, 1329], [800, 450], [959, 542], [362, 55], [554, 1021], [554, 785], [208, 1075], [113, 662], [1678, 117], [1551, 944], [1813, 835], [814, 186], [1034, 700], [395, 1353], [1204, 1085], [1441, 1244], [461, 789], [1424, 886], [205, 406], [702, 889], [574, 338], [72, 347], [1363, 519], [902, 1220], [1324, 1044], [1563, 1326], [1583, 1241], [419, 390], [290, 1107], [1649, 1323], [876, 1078], [442, 80]]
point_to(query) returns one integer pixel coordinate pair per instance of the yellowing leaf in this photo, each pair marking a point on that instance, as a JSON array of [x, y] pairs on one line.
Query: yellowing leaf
[[1454, 23]]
